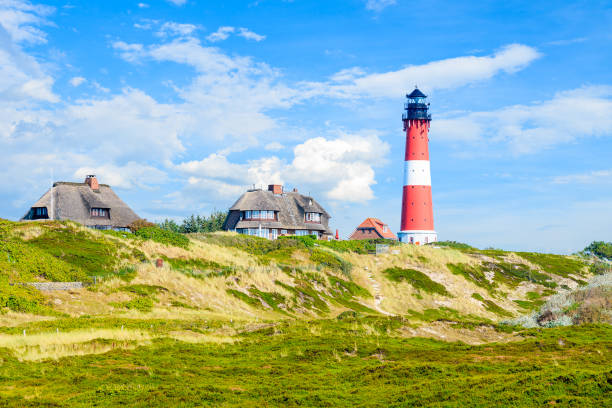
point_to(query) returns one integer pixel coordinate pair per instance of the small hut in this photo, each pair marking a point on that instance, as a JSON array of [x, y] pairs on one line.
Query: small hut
[[89, 203]]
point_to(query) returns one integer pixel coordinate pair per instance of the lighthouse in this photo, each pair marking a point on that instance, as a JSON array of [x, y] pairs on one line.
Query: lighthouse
[[417, 207]]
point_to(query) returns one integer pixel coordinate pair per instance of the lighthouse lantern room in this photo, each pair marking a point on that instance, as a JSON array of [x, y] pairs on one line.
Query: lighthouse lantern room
[[417, 207]]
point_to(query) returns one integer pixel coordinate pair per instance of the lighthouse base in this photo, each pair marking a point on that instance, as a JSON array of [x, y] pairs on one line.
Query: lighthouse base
[[417, 237]]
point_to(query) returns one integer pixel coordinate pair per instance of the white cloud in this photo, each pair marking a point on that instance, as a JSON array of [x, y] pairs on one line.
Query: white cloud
[[340, 168], [143, 5], [442, 74], [274, 146], [379, 5], [76, 81], [176, 29], [568, 41], [178, 2], [569, 115], [21, 18], [592, 177], [250, 35], [221, 34], [130, 175], [129, 52], [22, 79], [349, 158], [224, 32]]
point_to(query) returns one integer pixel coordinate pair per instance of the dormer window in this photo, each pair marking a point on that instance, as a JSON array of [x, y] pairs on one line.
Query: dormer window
[[385, 229], [313, 217], [39, 213], [100, 212], [258, 215]]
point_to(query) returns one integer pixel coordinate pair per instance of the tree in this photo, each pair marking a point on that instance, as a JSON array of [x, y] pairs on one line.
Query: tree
[[196, 223], [169, 225], [600, 249]]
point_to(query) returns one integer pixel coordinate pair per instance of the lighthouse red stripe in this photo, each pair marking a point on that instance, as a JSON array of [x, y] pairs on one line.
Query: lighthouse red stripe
[[417, 140], [417, 210]]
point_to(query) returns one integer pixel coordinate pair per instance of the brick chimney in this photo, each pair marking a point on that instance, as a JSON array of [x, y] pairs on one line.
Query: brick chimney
[[92, 182], [276, 189]]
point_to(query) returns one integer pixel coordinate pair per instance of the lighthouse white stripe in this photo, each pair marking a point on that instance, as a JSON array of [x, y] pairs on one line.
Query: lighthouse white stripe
[[416, 173]]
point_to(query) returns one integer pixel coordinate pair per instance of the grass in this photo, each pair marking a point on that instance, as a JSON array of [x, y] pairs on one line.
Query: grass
[[555, 264], [416, 279], [473, 273], [345, 363], [491, 306]]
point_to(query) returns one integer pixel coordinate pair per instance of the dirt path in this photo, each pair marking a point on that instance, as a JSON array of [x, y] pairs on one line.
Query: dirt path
[[378, 297]]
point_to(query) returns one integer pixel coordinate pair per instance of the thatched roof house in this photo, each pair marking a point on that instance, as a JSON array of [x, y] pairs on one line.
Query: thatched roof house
[[91, 204], [274, 213]]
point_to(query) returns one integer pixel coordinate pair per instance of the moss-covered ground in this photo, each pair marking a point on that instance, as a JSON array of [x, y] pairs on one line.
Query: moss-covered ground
[[342, 363]]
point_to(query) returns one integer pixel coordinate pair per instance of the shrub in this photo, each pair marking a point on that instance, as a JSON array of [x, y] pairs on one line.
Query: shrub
[[140, 224], [417, 279], [163, 236], [251, 244], [199, 268], [555, 264], [143, 304], [600, 268], [490, 305], [364, 246], [452, 244], [330, 260], [471, 273]]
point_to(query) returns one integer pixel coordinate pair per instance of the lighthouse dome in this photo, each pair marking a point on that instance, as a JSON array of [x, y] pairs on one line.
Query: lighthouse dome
[[416, 94]]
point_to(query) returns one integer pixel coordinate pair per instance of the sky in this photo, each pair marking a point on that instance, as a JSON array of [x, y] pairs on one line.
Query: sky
[[181, 105]]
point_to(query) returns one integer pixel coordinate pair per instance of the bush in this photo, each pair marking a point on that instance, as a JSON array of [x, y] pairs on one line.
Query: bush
[[417, 279], [452, 244], [143, 304], [330, 260], [163, 236], [140, 224], [364, 246], [600, 268]]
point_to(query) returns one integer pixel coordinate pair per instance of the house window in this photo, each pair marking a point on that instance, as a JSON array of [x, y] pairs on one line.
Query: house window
[[385, 228], [259, 215], [39, 213], [100, 212], [301, 233], [284, 232], [313, 217]]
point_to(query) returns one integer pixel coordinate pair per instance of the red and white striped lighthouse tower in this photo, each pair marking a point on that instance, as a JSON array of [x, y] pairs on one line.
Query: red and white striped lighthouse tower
[[417, 206]]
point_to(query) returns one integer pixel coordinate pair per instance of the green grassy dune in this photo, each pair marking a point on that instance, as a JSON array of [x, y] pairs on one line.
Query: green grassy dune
[[233, 320]]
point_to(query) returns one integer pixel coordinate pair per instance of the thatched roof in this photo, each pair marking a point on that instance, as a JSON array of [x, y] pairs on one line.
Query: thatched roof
[[74, 201], [291, 207]]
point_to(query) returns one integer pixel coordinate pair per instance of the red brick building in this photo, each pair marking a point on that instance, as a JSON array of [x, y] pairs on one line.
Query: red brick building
[[372, 228]]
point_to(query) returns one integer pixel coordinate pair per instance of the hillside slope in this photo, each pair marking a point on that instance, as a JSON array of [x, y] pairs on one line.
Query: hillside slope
[[223, 275], [233, 320]]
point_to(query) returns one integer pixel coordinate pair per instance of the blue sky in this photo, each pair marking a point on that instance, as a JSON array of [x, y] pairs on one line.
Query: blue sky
[[183, 104]]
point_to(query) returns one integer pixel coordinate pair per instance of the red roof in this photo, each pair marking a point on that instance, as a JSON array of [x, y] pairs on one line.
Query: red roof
[[375, 224]]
